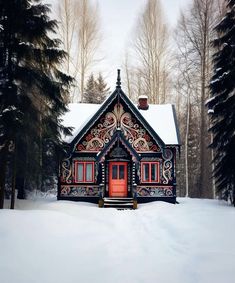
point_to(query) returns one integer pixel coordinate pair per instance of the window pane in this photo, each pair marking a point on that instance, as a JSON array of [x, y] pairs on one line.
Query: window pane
[[121, 172], [89, 172], [80, 172], [154, 172], [146, 172], [114, 171]]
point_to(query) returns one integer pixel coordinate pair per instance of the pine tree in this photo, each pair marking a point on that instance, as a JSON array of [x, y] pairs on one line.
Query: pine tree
[[222, 103], [32, 88], [101, 89], [96, 91], [90, 90]]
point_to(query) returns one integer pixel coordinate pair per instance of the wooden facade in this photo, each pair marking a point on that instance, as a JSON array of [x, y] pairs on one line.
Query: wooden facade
[[117, 153]]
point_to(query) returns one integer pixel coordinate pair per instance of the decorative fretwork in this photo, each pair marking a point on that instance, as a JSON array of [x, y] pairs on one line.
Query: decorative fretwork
[[167, 154], [167, 170], [79, 191], [66, 171], [101, 134], [118, 152], [155, 191]]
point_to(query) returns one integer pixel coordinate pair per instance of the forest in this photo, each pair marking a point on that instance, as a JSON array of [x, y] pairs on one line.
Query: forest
[[50, 57]]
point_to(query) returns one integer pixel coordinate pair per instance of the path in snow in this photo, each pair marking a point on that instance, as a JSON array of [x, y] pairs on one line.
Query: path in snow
[[68, 242]]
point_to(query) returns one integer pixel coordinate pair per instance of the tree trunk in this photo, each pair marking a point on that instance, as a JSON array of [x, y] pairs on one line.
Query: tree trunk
[[186, 148], [13, 183], [205, 184], [3, 165]]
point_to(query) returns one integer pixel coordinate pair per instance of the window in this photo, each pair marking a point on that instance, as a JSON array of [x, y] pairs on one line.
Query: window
[[118, 172], [84, 172], [121, 172], [150, 172], [115, 172]]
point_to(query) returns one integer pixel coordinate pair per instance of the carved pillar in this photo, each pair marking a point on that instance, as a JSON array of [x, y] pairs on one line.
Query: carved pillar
[[102, 178], [134, 185], [101, 186]]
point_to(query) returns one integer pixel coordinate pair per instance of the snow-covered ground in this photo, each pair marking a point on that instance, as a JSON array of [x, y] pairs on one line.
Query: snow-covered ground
[[49, 241]]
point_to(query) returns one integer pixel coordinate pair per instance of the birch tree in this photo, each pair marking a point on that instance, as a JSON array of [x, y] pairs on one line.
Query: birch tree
[[132, 79], [67, 20], [81, 38], [151, 49], [88, 37], [194, 34]]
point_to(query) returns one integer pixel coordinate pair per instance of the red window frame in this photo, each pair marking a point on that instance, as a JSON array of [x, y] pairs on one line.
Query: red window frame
[[84, 163], [149, 180]]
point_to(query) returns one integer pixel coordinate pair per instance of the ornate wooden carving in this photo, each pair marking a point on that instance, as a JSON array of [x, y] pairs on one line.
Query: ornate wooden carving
[[118, 152], [79, 191], [101, 134], [167, 170], [158, 191], [66, 171]]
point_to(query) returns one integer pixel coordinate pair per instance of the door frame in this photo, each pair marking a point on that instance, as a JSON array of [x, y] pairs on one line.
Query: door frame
[[125, 163]]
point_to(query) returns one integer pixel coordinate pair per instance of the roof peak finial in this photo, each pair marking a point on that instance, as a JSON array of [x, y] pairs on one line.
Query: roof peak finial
[[118, 84]]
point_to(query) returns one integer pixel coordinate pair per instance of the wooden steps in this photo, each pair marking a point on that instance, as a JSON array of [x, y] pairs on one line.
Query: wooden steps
[[118, 202]]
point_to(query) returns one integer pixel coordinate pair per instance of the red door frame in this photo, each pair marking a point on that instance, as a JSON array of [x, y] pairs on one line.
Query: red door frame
[[117, 186]]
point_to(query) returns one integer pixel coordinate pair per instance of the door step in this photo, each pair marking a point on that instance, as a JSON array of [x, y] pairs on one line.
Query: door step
[[119, 203]]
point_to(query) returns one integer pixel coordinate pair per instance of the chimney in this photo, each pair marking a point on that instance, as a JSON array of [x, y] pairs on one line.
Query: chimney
[[143, 102]]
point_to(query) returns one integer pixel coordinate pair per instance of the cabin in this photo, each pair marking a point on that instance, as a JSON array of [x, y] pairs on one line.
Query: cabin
[[120, 150]]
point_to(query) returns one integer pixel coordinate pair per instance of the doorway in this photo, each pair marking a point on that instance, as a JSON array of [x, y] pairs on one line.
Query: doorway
[[118, 179]]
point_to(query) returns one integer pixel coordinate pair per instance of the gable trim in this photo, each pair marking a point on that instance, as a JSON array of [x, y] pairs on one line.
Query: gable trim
[[119, 94], [118, 135], [94, 118]]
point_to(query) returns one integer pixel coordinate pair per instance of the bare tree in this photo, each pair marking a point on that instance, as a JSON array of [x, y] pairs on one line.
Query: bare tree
[[88, 37], [80, 29], [132, 79], [127, 70], [194, 33], [67, 20], [151, 49]]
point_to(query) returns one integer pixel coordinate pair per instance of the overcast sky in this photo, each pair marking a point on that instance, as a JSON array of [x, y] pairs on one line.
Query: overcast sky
[[118, 18]]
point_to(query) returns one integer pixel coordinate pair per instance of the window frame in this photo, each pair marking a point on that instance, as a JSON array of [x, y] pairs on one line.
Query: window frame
[[157, 163], [84, 163]]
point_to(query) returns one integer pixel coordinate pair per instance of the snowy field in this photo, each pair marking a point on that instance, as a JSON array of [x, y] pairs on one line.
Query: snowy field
[[49, 241]]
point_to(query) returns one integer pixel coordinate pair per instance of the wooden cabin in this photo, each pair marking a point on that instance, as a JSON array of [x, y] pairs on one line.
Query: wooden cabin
[[120, 150]]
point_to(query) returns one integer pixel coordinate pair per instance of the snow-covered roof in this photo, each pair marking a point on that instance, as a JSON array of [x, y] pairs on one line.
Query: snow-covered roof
[[77, 117], [160, 117], [143, 96]]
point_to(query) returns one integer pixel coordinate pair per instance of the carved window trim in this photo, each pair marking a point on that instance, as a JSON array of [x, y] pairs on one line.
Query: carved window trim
[[84, 171], [149, 179]]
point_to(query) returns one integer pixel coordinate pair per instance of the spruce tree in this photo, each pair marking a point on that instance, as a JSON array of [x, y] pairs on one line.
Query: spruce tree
[[90, 92], [96, 91], [222, 103], [101, 89], [32, 88]]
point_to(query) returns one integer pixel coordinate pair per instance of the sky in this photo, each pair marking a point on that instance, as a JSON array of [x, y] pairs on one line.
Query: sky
[[118, 20]]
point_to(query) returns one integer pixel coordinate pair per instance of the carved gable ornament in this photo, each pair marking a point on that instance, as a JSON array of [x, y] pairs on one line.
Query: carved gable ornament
[[102, 133]]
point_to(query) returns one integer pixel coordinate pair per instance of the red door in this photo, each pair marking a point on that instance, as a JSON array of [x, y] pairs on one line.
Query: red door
[[118, 179]]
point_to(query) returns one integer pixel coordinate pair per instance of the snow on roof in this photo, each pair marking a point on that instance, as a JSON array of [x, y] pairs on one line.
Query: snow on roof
[[77, 117], [160, 118], [142, 96]]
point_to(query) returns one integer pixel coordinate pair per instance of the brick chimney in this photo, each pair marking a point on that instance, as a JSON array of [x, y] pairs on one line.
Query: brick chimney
[[143, 102]]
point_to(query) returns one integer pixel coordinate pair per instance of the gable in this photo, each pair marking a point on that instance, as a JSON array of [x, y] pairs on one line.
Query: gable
[[158, 120], [117, 141], [118, 116]]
